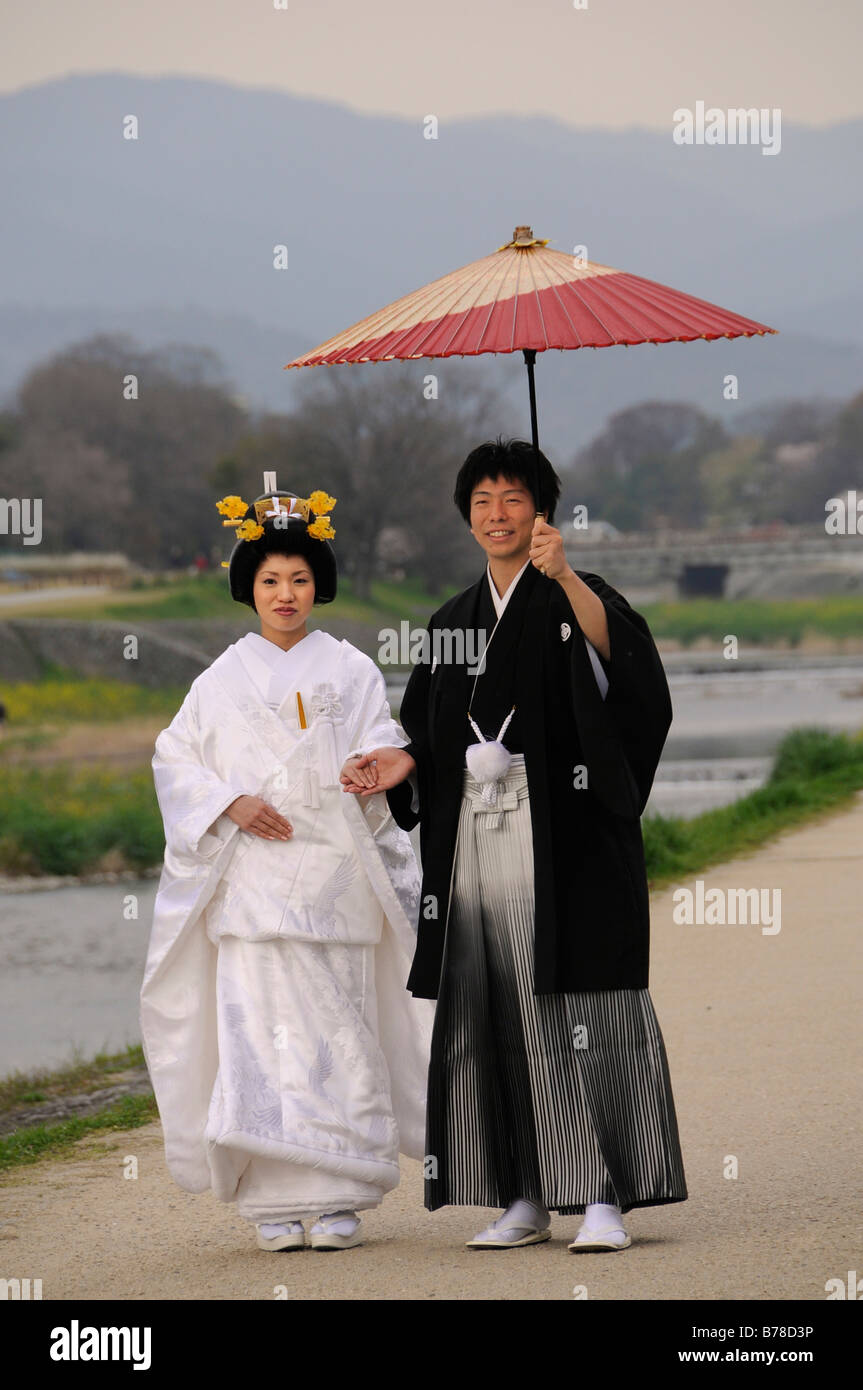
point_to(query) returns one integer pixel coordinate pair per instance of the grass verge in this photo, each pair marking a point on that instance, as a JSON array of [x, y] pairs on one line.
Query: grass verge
[[762, 622], [31, 1143], [23, 1088], [813, 771], [35, 1142]]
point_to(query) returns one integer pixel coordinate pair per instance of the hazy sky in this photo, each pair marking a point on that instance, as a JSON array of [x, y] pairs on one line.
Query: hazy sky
[[616, 63]]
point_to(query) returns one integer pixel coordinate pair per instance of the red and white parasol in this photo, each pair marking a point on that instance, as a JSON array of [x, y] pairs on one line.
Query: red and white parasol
[[525, 297]]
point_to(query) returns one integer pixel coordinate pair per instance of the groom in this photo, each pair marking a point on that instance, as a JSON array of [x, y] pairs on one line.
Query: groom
[[548, 1083]]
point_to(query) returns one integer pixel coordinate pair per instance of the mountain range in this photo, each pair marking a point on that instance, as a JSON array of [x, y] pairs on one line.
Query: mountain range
[[169, 237]]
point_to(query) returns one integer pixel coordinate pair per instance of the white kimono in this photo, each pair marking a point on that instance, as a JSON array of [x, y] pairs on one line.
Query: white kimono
[[288, 1060]]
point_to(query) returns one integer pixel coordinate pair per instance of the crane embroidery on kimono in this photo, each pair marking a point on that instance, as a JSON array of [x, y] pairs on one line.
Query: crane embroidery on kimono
[[324, 909]]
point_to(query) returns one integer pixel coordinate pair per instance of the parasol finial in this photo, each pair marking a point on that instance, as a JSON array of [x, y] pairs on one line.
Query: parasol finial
[[523, 239]]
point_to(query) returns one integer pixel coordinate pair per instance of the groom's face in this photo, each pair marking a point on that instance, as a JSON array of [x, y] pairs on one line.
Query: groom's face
[[502, 513]]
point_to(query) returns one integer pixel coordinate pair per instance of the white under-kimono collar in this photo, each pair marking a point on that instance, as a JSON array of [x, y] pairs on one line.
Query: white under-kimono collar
[[276, 672], [501, 600]]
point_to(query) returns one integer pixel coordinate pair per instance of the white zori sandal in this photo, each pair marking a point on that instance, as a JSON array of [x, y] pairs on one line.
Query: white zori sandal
[[507, 1237], [338, 1230], [500, 1237], [524, 1222], [607, 1239], [291, 1236]]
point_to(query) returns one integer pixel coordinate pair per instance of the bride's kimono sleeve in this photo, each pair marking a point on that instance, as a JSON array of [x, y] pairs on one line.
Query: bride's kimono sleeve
[[373, 725], [191, 796], [177, 1005]]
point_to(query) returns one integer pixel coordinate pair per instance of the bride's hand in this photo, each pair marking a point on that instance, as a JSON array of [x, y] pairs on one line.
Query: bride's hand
[[390, 766], [358, 773], [258, 817]]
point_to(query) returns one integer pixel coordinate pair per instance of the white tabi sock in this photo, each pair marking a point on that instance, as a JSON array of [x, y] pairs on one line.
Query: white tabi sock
[[524, 1213], [269, 1230], [600, 1217]]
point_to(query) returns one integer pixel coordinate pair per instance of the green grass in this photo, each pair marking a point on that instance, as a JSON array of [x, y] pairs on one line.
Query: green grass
[[207, 596], [62, 819], [813, 771], [30, 1143], [22, 1088], [36, 1142], [758, 621]]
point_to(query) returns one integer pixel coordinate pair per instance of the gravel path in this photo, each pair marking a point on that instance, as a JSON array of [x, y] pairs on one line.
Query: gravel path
[[764, 1046]]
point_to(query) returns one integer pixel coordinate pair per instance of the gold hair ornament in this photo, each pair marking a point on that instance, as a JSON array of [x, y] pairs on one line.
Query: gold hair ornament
[[319, 503]]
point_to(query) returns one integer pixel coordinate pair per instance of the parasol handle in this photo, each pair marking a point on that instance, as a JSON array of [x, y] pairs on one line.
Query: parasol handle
[[529, 360]]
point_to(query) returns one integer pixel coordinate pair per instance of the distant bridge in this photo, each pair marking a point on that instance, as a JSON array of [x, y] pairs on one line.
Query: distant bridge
[[768, 562]]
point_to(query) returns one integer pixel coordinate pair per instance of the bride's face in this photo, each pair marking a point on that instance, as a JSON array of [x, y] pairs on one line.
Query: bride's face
[[284, 592]]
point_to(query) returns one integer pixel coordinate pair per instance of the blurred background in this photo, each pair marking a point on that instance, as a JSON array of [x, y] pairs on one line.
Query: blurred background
[[154, 160]]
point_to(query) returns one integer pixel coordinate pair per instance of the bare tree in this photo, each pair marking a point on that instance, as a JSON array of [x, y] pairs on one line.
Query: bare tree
[[145, 428], [643, 470]]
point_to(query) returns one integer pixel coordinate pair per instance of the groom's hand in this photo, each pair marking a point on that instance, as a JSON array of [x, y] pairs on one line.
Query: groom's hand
[[377, 771], [546, 551]]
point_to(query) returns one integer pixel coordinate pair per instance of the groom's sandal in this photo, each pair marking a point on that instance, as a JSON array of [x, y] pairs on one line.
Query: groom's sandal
[[291, 1236], [606, 1239], [497, 1237], [323, 1237]]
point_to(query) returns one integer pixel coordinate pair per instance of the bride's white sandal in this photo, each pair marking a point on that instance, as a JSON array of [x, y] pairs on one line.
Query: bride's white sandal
[[291, 1236], [323, 1237]]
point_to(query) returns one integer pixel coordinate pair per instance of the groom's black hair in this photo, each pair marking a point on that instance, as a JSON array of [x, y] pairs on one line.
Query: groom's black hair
[[290, 539], [508, 458]]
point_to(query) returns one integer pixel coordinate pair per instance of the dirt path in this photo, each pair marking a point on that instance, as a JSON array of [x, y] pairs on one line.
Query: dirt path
[[764, 1046]]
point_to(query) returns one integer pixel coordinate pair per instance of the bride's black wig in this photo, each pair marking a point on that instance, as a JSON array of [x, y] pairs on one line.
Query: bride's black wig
[[292, 538]]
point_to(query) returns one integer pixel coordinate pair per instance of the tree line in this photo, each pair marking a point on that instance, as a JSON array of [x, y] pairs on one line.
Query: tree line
[[130, 448]]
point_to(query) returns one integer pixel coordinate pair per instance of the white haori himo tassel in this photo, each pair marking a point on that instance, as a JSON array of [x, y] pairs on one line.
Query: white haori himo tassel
[[488, 760]]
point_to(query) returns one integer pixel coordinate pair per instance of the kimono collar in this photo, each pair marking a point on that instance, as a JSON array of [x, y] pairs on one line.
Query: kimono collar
[[275, 671], [501, 600]]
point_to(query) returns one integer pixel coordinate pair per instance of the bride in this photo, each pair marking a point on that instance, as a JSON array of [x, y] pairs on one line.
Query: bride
[[287, 1058]]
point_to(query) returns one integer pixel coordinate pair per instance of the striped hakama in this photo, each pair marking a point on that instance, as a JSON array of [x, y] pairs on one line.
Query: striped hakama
[[564, 1099]]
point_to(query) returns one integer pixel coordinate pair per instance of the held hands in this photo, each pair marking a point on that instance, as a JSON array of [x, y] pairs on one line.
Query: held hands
[[546, 550], [377, 771], [258, 817]]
